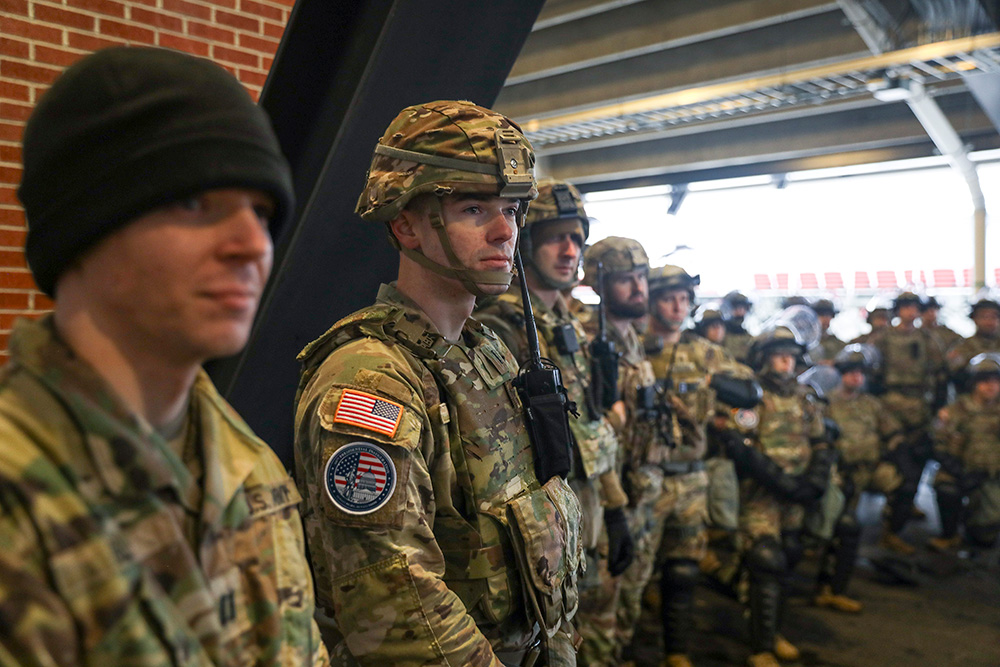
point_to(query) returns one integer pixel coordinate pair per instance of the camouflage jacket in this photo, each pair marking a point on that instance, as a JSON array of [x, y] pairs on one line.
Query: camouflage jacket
[[970, 431], [737, 341], [427, 526], [113, 552], [965, 349], [912, 362], [562, 339], [866, 430], [684, 370], [945, 337], [829, 346]]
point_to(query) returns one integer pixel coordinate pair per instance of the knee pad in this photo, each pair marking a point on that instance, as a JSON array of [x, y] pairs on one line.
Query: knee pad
[[791, 544], [766, 557], [680, 573]]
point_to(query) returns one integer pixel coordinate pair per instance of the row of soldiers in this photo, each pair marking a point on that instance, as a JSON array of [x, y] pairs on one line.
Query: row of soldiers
[[489, 490]]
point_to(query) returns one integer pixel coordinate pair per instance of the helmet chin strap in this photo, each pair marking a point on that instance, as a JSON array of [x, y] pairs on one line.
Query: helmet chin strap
[[470, 278]]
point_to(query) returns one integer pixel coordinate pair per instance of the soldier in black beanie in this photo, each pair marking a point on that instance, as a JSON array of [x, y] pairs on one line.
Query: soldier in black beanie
[[143, 523]]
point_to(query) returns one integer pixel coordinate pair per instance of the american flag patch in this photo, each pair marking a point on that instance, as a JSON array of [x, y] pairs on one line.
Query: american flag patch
[[368, 412]]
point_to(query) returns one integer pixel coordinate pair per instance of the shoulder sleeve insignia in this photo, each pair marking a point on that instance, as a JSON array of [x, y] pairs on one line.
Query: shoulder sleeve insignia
[[359, 478], [368, 411], [746, 419]]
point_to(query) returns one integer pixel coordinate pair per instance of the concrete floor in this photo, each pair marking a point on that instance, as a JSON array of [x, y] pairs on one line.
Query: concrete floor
[[949, 617]]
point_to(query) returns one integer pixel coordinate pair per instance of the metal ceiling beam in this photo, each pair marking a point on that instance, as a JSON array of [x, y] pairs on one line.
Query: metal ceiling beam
[[342, 72], [647, 27], [854, 129], [556, 12], [818, 39], [784, 77]]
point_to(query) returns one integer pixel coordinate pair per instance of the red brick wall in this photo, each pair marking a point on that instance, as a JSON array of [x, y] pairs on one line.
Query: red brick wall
[[38, 38]]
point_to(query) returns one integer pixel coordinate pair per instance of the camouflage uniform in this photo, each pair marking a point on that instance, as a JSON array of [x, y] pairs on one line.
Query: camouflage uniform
[[595, 480], [433, 541], [911, 380], [867, 434], [737, 341], [829, 346], [115, 549], [945, 337], [964, 350], [968, 432]]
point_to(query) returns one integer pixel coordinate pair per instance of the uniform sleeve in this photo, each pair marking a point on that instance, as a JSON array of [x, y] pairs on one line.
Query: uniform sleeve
[[36, 628], [377, 562]]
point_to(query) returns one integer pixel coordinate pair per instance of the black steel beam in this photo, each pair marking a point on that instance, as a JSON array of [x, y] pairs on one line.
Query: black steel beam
[[342, 72]]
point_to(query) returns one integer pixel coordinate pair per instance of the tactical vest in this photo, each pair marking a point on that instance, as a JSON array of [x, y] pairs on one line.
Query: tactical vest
[[858, 418], [906, 360], [981, 426], [682, 370], [565, 343], [502, 527], [784, 430], [640, 441]]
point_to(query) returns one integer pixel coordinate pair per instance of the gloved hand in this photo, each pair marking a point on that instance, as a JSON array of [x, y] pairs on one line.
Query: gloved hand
[[621, 549]]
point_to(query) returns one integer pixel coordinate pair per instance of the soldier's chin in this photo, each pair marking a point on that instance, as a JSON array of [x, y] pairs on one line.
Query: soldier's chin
[[492, 290]]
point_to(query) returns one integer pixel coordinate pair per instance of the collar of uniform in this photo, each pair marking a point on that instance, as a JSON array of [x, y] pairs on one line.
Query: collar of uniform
[[411, 324], [127, 455], [230, 453]]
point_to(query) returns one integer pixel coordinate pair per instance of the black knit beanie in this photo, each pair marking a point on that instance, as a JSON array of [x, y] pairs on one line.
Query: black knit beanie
[[128, 129]]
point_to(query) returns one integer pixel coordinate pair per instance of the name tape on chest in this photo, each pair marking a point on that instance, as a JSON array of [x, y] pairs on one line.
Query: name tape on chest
[[368, 411], [359, 478]]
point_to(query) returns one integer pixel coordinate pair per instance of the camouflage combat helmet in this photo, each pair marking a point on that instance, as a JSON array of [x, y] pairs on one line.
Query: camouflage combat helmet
[[824, 307], [985, 298], [707, 315], [857, 356], [442, 148], [984, 366], [557, 201], [906, 298], [794, 300], [735, 299], [779, 340], [617, 255], [880, 304], [670, 277], [929, 303]]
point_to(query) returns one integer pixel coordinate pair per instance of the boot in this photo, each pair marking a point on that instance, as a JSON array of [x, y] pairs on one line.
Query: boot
[[785, 650], [765, 659], [677, 583], [827, 598], [676, 660], [893, 542], [765, 610], [944, 544]]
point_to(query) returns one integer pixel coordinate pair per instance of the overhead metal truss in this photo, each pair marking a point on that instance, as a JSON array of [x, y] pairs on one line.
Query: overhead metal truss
[[930, 64]]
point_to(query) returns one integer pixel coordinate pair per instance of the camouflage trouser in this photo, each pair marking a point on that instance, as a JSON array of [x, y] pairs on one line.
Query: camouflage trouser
[[982, 519], [762, 514], [595, 617], [911, 455], [668, 522]]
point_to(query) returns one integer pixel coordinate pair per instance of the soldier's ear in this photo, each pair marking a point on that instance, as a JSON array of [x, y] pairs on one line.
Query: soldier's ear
[[404, 228]]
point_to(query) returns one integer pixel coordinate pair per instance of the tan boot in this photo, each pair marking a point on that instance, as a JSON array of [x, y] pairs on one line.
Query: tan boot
[[765, 659], [785, 650], [893, 542], [944, 544], [676, 660], [710, 564], [827, 598]]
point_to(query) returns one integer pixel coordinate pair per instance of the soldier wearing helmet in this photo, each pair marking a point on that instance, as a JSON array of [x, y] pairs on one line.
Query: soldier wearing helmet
[[868, 437], [431, 564], [985, 314], [675, 508], [735, 307], [829, 344], [911, 384], [967, 444], [709, 323], [551, 247], [784, 427], [929, 311], [613, 608]]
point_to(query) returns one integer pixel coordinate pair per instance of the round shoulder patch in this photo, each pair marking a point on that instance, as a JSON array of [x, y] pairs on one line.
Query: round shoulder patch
[[359, 478], [747, 419]]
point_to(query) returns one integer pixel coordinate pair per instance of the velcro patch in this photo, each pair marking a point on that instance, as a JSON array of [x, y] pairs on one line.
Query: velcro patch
[[747, 419], [359, 478], [368, 411]]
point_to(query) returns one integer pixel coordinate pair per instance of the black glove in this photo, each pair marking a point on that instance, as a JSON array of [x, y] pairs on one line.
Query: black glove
[[621, 549]]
